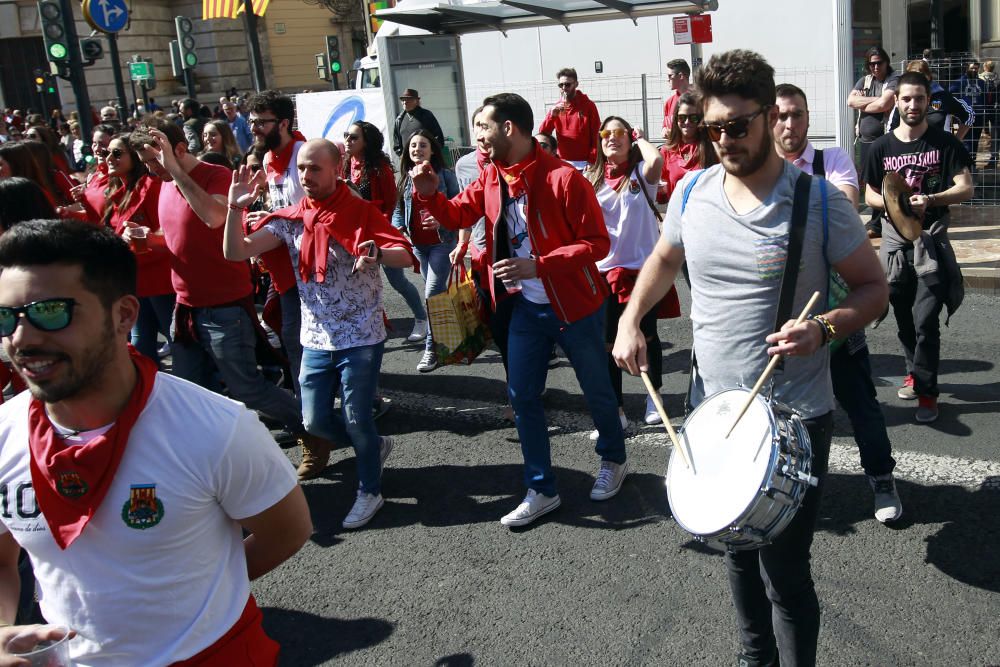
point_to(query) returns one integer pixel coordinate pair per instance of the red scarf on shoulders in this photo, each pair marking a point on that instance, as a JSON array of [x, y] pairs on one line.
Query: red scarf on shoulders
[[279, 161], [515, 175], [70, 481], [346, 219]]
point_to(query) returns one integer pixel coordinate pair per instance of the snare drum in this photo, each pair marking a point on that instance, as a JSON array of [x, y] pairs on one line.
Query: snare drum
[[741, 491]]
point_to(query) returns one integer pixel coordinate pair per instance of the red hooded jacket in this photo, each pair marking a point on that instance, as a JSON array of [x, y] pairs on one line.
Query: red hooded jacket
[[565, 225], [576, 123]]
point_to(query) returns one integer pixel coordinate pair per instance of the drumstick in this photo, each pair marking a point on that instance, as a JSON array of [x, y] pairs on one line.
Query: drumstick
[[655, 395], [771, 366]]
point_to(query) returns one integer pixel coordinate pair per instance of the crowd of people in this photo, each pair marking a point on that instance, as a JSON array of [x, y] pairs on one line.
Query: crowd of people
[[184, 228]]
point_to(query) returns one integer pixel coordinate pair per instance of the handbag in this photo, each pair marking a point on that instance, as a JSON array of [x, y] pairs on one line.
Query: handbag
[[459, 333]]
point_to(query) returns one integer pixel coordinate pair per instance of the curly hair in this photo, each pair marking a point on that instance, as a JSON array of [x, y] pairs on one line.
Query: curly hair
[[737, 72]]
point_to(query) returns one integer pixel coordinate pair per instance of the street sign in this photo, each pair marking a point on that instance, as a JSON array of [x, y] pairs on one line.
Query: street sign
[[108, 16], [141, 71], [92, 49], [695, 29]]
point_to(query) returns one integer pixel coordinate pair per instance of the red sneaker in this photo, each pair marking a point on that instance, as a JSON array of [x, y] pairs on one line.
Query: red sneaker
[[906, 391], [927, 409]]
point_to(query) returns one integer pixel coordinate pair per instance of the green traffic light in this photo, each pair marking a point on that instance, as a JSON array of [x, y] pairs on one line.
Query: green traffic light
[[57, 51], [190, 59], [51, 90], [336, 66]]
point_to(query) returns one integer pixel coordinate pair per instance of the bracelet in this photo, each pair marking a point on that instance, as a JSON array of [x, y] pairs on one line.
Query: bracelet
[[234, 207], [826, 328]]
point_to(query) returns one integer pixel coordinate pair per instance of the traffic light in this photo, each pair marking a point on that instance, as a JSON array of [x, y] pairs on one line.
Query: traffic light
[[39, 80], [185, 42], [333, 53], [53, 31]]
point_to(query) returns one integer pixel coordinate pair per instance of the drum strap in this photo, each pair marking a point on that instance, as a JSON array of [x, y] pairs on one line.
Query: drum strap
[[796, 233]]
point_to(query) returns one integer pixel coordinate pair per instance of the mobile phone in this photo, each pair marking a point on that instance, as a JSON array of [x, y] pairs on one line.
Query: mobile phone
[[372, 251]]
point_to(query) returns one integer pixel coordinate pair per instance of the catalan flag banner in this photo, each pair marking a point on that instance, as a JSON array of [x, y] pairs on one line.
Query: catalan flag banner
[[230, 9]]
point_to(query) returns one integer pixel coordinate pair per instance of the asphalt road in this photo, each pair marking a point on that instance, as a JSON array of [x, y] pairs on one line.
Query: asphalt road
[[436, 580]]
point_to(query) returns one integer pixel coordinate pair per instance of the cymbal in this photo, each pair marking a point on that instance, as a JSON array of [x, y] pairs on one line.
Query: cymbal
[[896, 193]]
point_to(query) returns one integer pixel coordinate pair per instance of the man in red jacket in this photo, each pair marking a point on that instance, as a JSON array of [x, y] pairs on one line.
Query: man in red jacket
[[544, 233], [575, 121]]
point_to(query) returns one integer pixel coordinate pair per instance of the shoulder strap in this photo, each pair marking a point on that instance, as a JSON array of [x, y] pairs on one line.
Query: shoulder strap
[[642, 186], [800, 214], [818, 168], [688, 188]]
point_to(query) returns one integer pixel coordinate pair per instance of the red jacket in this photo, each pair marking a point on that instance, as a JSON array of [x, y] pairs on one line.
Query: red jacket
[[576, 123], [565, 225]]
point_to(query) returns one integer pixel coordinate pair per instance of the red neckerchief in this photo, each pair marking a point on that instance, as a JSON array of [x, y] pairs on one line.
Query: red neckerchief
[[279, 161], [71, 481], [688, 155], [614, 174], [514, 174]]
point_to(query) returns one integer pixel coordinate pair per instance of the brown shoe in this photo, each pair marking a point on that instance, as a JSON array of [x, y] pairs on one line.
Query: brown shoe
[[315, 456]]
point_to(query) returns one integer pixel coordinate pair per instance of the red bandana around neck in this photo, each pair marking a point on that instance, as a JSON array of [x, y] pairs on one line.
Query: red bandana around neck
[[614, 174], [70, 482], [514, 174], [279, 161]]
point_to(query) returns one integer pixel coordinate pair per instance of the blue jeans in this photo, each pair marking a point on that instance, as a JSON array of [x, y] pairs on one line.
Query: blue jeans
[[226, 341], [291, 328], [354, 374], [855, 391], [407, 290], [155, 313], [435, 268], [533, 329]]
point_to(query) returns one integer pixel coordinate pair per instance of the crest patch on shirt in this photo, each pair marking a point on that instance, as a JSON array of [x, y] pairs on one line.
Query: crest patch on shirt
[[143, 509], [70, 484], [633, 186]]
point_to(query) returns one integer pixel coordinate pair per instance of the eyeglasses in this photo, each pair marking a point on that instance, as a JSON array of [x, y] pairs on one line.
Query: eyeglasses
[[693, 118], [616, 132], [258, 122], [46, 315], [737, 128], [116, 153], [566, 84], [255, 167], [875, 63], [32, 135], [351, 137]]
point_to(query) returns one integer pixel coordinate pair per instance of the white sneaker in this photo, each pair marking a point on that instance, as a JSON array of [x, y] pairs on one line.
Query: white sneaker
[[164, 350], [533, 506], [419, 331], [888, 507], [595, 434], [652, 416], [364, 509], [385, 448], [609, 480]]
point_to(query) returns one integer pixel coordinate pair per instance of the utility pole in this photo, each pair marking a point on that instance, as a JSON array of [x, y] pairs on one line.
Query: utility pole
[[253, 44], [76, 75], [116, 69]]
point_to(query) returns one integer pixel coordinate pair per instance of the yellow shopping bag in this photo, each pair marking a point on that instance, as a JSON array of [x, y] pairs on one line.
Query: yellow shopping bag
[[459, 332]]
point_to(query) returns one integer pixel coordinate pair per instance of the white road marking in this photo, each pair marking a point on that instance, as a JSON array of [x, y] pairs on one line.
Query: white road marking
[[913, 466]]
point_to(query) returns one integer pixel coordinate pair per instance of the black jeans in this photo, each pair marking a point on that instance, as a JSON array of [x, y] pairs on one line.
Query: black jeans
[[654, 351], [855, 391], [917, 306], [776, 604]]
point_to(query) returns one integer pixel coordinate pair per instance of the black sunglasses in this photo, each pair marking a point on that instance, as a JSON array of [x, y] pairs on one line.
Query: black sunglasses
[[689, 117], [46, 315], [255, 167], [567, 84], [116, 153], [351, 137], [737, 128], [875, 63]]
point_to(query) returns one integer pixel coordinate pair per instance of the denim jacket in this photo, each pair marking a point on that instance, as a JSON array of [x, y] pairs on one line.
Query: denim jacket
[[401, 217]]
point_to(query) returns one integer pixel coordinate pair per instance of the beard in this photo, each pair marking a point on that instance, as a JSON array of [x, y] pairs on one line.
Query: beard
[[745, 163], [913, 122], [270, 141], [81, 374]]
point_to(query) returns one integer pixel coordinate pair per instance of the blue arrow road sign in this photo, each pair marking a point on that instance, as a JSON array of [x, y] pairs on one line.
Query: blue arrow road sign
[[107, 15]]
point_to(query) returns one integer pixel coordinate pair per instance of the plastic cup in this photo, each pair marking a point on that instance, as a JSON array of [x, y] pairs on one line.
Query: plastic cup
[[140, 242], [49, 653]]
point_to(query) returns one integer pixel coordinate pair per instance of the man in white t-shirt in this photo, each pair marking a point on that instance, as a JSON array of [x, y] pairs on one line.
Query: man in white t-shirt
[[128, 488], [850, 368], [334, 241]]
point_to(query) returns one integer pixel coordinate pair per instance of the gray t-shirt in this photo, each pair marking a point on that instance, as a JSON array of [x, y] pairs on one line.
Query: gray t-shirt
[[871, 126], [736, 262]]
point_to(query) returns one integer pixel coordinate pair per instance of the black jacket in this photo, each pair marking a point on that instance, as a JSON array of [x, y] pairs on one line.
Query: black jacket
[[409, 122]]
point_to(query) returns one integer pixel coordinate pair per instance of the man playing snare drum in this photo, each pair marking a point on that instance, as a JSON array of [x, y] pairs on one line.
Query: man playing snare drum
[[732, 228]]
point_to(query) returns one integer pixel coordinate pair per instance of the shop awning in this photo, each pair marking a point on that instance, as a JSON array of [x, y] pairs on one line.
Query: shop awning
[[458, 17]]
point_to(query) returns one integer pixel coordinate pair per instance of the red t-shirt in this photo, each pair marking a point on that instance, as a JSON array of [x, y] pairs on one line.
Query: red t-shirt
[[142, 208], [201, 275], [419, 235], [668, 109]]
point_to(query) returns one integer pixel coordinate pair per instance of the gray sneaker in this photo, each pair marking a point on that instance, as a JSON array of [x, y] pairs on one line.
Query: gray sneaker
[[533, 506], [364, 509], [905, 391], [609, 480], [428, 362], [888, 508]]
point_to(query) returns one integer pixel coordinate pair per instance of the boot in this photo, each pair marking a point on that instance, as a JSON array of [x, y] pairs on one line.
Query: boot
[[315, 456]]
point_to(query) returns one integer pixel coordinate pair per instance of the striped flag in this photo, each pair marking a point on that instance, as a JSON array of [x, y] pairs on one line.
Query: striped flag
[[229, 9]]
